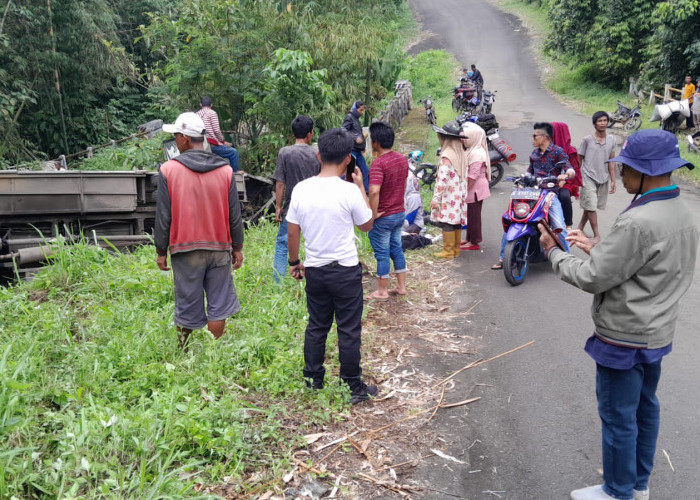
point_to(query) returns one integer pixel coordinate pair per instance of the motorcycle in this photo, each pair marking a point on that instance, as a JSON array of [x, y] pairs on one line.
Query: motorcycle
[[425, 172], [529, 204], [429, 110], [500, 152], [631, 119], [466, 98], [487, 102]]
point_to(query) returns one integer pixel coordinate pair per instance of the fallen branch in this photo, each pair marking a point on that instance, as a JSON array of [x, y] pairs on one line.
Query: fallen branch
[[438, 405], [339, 440], [396, 489], [668, 457], [394, 466], [479, 363]]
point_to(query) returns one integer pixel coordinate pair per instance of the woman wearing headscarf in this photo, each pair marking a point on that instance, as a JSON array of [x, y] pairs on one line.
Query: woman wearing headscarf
[[413, 205], [478, 178], [449, 204], [562, 138]]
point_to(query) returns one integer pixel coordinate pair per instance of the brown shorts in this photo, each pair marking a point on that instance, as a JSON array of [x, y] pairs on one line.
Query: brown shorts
[[594, 196], [201, 273]]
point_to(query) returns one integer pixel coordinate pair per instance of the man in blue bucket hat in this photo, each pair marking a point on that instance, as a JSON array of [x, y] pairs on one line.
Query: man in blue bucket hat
[[638, 273]]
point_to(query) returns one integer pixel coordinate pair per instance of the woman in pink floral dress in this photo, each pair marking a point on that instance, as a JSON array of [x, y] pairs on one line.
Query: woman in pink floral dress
[[449, 204]]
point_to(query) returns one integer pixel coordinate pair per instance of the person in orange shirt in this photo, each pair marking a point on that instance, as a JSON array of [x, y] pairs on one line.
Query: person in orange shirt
[[688, 92]]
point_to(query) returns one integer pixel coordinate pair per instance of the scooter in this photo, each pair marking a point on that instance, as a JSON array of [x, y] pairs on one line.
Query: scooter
[[425, 172], [529, 204], [631, 119]]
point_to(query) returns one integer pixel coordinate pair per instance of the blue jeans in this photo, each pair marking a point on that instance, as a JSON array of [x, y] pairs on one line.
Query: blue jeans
[[279, 267], [556, 219], [227, 152], [629, 413], [362, 164], [385, 238]]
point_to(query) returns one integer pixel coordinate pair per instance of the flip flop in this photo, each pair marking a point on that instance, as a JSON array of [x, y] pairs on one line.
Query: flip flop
[[498, 266]]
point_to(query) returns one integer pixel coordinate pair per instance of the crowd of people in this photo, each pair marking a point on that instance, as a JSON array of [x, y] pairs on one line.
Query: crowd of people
[[637, 273]]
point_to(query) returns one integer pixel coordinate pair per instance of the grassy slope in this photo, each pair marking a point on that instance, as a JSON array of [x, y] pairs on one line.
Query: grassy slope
[[570, 85], [95, 398]]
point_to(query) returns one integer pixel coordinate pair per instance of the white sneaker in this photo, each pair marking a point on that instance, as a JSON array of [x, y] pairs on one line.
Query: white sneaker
[[641, 494], [591, 493]]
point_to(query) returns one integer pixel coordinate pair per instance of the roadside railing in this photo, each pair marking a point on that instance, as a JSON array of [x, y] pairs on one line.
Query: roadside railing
[[399, 106], [667, 96]]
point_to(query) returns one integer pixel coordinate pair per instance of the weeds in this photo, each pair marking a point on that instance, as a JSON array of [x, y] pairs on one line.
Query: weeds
[[96, 399]]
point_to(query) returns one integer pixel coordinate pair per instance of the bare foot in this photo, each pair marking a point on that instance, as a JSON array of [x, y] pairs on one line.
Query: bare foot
[[377, 296], [396, 291]]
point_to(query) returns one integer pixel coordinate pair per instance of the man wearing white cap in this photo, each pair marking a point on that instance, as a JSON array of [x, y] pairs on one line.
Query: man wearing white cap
[[198, 219], [638, 274]]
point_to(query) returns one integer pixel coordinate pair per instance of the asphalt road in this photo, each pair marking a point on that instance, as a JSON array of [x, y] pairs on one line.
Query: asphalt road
[[536, 432]]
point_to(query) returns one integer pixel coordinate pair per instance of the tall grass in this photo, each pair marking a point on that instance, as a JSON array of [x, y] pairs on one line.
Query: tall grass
[[97, 401]]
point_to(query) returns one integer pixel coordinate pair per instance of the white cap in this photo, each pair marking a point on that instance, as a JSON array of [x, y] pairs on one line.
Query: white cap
[[189, 124]]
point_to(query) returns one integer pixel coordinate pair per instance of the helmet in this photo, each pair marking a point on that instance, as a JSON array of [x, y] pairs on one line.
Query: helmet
[[416, 156], [474, 101]]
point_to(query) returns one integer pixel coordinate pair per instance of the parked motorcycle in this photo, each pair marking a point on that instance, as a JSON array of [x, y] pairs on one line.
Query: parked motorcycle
[[529, 204], [466, 98], [425, 172], [487, 102], [630, 118], [429, 110], [500, 152]]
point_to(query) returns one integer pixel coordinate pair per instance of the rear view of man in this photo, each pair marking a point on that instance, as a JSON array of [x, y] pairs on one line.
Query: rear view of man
[[198, 219], [327, 209], [214, 136], [294, 164]]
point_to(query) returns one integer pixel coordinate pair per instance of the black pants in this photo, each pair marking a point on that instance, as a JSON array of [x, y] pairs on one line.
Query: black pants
[[333, 291], [566, 207]]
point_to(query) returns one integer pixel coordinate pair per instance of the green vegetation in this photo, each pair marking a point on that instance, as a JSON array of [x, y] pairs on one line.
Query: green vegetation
[[97, 401], [135, 154], [574, 82], [118, 64]]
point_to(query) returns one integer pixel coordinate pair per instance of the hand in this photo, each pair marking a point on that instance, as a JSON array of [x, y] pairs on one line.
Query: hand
[[379, 214], [562, 179], [297, 271], [546, 241], [358, 139], [576, 238], [227, 144], [237, 259], [434, 205], [612, 187], [278, 214], [357, 178], [162, 262]]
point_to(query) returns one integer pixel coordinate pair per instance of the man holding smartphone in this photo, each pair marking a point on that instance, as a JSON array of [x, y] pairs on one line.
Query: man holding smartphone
[[326, 209]]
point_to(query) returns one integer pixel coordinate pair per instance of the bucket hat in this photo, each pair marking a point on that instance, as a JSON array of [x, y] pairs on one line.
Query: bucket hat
[[450, 129], [652, 152], [189, 124]]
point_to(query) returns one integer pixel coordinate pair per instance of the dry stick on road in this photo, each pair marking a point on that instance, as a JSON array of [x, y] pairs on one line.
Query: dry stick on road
[[442, 396], [481, 362]]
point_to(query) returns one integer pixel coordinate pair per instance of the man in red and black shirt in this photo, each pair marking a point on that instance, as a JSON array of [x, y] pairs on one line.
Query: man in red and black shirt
[[198, 219], [214, 136], [387, 184]]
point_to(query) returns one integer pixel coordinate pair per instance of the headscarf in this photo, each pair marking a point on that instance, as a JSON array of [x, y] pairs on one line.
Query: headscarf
[[453, 151], [354, 107], [477, 147], [412, 199], [562, 138]]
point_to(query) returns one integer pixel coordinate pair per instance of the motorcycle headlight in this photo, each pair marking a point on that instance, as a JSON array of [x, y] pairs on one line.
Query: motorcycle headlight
[[521, 209]]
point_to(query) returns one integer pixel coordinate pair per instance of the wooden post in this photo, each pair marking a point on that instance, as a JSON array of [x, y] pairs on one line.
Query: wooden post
[[633, 86], [652, 99], [667, 92]]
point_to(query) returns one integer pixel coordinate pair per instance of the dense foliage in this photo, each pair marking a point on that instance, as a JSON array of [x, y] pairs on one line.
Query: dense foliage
[[613, 40], [77, 73], [96, 401]]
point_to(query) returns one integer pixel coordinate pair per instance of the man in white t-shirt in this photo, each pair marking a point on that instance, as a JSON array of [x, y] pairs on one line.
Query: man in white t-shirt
[[326, 209]]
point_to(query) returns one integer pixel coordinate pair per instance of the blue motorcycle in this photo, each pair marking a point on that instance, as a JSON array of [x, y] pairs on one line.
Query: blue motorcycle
[[529, 204]]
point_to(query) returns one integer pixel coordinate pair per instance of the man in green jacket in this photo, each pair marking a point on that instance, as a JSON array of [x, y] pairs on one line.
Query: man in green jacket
[[638, 274]]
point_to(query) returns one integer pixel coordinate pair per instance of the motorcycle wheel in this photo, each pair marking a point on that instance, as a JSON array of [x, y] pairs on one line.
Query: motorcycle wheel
[[456, 104], [515, 261], [496, 174], [426, 173], [633, 124], [431, 117]]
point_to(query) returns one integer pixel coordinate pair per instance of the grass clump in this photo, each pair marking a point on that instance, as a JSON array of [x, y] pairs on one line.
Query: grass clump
[[96, 400]]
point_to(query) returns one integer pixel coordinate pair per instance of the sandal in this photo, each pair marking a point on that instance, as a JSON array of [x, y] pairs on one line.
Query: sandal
[[498, 266]]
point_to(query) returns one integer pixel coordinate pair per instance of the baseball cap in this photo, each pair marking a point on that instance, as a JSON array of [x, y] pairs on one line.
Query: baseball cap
[[652, 152], [189, 124]]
